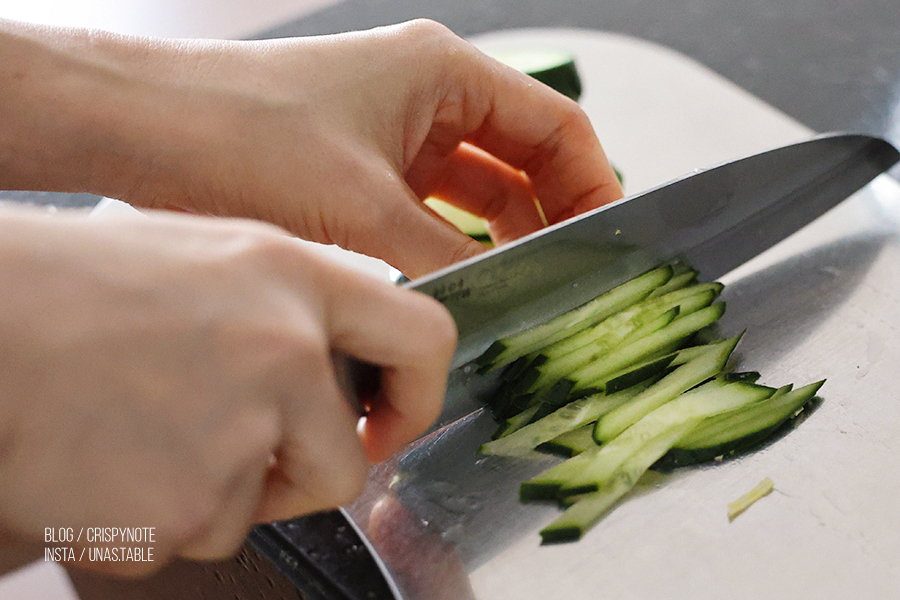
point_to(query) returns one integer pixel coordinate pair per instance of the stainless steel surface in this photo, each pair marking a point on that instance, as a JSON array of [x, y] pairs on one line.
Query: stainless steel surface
[[448, 524]]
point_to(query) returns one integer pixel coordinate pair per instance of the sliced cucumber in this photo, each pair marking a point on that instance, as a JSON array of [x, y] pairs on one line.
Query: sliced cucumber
[[683, 378], [505, 351], [555, 369], [570, 443], [709, 399], [587, 509], [735, 432], [569, 417], [596, 374]]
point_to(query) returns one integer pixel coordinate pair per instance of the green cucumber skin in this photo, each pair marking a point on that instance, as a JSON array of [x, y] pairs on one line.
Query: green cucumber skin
[[644, 372], [587, 510], [681, 379], [596, 374], [571, 443], [571, 322], [742, 442]]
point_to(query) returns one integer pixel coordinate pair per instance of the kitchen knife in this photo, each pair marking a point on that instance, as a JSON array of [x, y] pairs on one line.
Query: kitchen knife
[[715, 219]]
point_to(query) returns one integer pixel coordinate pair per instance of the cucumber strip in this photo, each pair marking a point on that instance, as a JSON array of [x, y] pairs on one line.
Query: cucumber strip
[[569, 417], [615, 328], [652, 367], [554, 370], [709, 399], [597, 373], [678, 281], [683, 378], [570, 443], [504, 351], [744, 437], [588, 509], [729, 427], [517, 421], [546, 485]]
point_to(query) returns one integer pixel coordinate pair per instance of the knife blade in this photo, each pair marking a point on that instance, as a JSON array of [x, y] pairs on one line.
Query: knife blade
[[715, 219]]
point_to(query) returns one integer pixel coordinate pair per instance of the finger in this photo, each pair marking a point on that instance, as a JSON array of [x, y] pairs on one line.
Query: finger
[[230, 524], [405, 233], [534, 128], [320, 463], [477, 182], [412, 338]]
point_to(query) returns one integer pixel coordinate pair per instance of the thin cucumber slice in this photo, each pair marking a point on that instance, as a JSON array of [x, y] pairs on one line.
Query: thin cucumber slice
[[569, 417], [709, 399], [588, 509], [505, 351], [611, 331], [731, 426], [678, 281], [596, 374], [546, 485], [732, 433], [471, 225], [570, 443], [517, 421], [683, 378], [555, 369]]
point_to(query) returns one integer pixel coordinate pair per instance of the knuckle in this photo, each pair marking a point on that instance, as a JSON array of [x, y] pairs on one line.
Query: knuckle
[[349, 484], [427, 29]]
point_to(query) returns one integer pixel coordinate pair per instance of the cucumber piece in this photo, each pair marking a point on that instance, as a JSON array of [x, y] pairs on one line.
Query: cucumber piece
[[569, 417], [556, 369], [613, 330], [678, 281], [546, 485], [554, 68], [588, 509], [738, 431], [570, 443], [473, 226], [683, 378], [709, 399], [653, 367], [505, 351], [596, 374]]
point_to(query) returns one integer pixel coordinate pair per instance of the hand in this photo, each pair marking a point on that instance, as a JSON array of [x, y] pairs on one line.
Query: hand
[[178, 375], [337, 138]]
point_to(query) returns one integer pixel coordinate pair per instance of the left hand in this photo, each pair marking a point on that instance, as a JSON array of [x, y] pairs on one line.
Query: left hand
[[338, 138]]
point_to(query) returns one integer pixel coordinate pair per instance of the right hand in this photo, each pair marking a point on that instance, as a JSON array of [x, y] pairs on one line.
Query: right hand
[[175, 372]]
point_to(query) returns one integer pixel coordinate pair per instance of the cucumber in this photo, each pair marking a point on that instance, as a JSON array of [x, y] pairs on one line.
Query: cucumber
[[612, 330], [738, 431], [683, 378], [596, 374], [570, 443], [505, 351], [709, 399], [571, 416], [629, 381], [555, 369], [587, 509]]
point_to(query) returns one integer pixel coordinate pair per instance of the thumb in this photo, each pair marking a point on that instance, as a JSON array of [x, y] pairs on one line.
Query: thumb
[[416, 240]]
